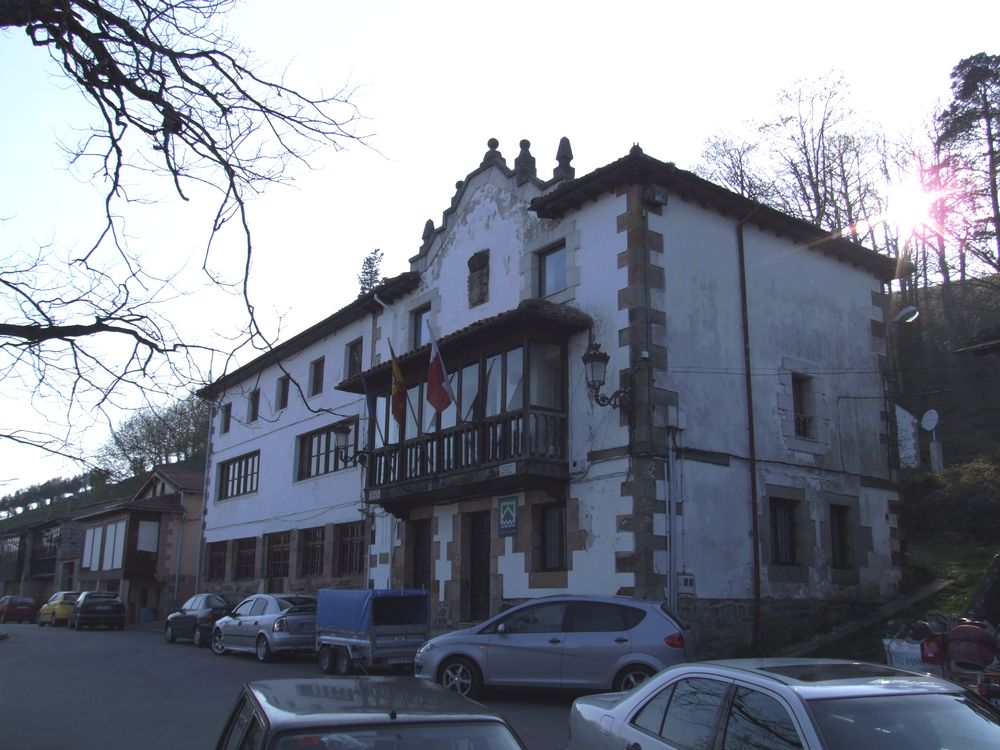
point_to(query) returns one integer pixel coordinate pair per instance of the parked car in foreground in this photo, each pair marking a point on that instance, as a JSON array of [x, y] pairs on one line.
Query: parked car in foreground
[[268, 624], [568, 641], [94, 608], [17, 609], [196, 618], [780, 704], [58, 608], [361, 713]]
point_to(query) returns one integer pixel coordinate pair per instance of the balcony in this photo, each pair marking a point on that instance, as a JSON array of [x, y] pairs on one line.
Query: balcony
[[502, 453]]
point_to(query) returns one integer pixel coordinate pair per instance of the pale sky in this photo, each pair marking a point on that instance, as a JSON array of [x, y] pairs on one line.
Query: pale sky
[[435, 81]]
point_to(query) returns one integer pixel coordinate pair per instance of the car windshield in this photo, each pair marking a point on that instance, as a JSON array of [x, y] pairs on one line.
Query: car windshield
[[908, 722], [438, 735]]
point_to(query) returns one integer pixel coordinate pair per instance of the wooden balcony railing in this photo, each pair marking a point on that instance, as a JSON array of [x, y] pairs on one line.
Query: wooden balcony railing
[[525, 434]]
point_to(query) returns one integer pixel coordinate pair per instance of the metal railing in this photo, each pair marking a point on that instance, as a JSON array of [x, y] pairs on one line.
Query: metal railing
[[493, 440]]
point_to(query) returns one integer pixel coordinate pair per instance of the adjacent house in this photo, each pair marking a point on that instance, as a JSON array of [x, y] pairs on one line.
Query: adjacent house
[[632, 382], [146, 545]]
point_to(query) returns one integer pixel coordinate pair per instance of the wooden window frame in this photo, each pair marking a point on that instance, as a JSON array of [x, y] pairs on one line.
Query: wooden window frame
[[239, 476]]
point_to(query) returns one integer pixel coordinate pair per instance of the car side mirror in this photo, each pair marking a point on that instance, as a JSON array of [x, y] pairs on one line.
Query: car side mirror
[[502, 628]]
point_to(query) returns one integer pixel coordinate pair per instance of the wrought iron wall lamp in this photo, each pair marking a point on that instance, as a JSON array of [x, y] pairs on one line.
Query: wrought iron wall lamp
[[342, 445], [595, 364]]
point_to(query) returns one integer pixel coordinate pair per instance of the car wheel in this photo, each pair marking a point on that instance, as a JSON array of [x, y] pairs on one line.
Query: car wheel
[[198, 637], [630, 677], [41, 622], [462, 676], [326, 660], [53, 621], [263, 649], [342, 662], [218, 644], [168, 633]]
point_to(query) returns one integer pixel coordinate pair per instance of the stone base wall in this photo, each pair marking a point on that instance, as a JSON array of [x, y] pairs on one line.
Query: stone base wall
[[724, 627]]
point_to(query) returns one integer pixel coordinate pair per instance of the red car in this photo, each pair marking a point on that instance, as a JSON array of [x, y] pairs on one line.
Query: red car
[[20, 608]]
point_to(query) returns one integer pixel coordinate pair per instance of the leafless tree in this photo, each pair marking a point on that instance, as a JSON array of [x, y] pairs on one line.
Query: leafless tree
[[177, 97]]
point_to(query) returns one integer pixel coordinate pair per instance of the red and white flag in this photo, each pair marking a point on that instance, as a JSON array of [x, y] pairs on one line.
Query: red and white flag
[[439, 394]]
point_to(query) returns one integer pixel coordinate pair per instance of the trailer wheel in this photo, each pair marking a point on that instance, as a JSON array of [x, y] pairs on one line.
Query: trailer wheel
[[326, 660], [342, 662]]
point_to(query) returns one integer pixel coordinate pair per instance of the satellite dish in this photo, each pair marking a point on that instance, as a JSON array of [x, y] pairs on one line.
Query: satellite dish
[[929, 420]]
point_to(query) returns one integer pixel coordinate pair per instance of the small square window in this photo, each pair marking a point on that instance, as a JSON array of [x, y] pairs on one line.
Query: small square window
[[354, 352], [552, 270], [281, 397], [253, 405], [316, 376], [226, 418]]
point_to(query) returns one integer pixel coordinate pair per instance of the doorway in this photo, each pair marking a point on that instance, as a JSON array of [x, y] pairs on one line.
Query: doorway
[[479, 558], [422, 544]]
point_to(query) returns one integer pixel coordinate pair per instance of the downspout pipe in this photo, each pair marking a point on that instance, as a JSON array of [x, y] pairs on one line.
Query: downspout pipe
[[180, 555], [751, 429]]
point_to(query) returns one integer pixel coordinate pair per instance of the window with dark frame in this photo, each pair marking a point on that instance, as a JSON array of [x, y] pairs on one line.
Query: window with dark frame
[[784, 531], [351, 548], [253, 405], [552, 270], [316, 376], [281, 397], [419, 318], [801, 403], [246, 550], [840, 536], [550, 536], [239, 476], [216, 568], [312, 551], [318, 453], [276, 553], [10, 548], [48, 543], [226, 418], [354, 354], [493, 384]]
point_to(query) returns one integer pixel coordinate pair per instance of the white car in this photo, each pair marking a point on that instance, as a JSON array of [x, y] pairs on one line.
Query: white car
[[268, 624], [569, 641], [786, 704]]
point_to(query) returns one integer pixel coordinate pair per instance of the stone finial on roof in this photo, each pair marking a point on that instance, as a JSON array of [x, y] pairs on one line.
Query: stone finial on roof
[[524, 164], [493, 156], [564, 155], [428, 233], [458, 192], [635, 150]]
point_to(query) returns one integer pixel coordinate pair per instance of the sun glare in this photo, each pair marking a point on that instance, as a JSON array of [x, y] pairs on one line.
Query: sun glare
[[910, 209]]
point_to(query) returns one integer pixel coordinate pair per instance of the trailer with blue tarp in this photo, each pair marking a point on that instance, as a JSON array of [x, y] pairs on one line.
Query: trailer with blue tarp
[[364, 629]]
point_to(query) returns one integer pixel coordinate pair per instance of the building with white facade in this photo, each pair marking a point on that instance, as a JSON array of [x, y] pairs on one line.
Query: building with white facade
[[736, 463]]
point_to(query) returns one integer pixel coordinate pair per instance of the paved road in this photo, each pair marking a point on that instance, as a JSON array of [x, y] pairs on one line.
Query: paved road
[[63, 689]]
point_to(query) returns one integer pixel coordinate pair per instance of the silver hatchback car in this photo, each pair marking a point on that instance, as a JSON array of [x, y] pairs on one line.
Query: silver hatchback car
[[568, 641], [268, 624]]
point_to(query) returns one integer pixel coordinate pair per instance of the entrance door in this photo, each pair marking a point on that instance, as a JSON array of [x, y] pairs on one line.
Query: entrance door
[[420, 573], [479, 565]]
